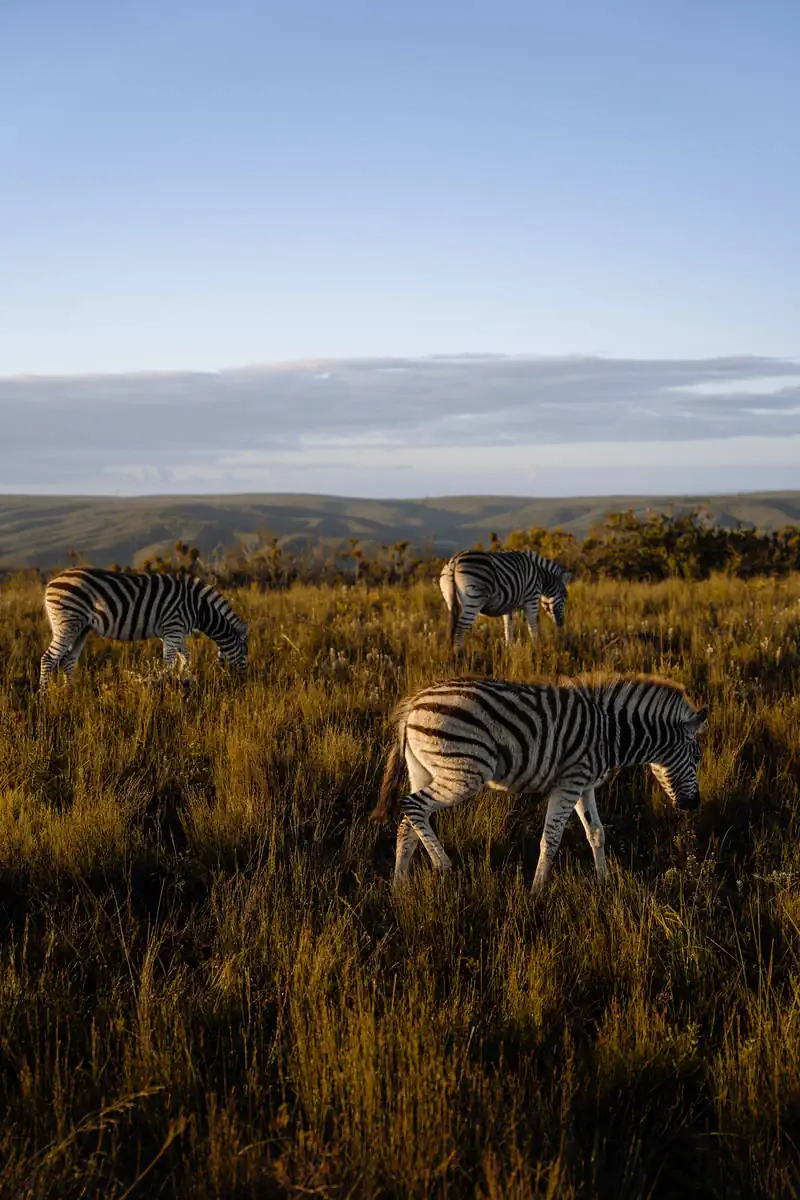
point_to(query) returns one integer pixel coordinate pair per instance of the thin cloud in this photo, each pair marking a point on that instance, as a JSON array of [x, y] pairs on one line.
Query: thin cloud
[[407, 427]]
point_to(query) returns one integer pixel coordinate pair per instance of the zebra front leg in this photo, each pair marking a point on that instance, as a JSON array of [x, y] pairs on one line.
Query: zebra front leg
[[586, 809], [175, 653], [532, 617], [560, 804], [508, 627]]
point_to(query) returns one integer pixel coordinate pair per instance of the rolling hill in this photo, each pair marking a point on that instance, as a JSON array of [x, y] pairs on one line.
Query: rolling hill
[[39, 530]]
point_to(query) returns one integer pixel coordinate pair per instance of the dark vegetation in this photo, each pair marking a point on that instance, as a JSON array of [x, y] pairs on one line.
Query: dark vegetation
[[207, 987]]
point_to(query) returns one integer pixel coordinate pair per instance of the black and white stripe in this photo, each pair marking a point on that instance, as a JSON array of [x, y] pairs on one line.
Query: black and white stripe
[[560, 740], [130, 606], [498, 583]]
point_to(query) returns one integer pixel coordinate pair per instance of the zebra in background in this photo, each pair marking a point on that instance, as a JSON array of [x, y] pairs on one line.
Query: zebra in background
[[497, 584], [131, 606], [559, 739]]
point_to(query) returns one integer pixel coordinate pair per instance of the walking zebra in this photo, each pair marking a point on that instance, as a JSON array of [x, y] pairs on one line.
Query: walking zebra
[[558, 739], [499, 583], [130, 606]]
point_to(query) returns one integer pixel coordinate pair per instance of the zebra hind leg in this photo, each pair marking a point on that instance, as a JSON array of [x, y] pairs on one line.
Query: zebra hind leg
[[419, 807], [405, 849], [407, 840], [48, 667], [70, 659], [466, 619], [508, 627], [58, 654], [560, 804]]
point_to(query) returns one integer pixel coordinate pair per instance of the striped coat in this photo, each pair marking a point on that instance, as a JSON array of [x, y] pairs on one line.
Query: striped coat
[[558, 739], [499, 583], [130, 606]]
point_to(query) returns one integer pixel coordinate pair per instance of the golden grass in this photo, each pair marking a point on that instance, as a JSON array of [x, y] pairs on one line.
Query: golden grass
[[207, 987]]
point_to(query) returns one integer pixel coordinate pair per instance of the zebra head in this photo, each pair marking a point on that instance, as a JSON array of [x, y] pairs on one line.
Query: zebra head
[[554, 594], [676, 770], [214, 617]]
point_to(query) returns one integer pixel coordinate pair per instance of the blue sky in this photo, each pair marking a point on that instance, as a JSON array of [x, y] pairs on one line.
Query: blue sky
[[205, 185], [195, 187]]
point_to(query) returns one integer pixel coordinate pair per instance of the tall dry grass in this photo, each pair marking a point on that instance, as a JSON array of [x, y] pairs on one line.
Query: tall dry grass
[[207, 987]]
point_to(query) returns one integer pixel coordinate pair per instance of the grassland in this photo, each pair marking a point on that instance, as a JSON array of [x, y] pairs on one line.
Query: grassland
[[207, 987], [38, 531]]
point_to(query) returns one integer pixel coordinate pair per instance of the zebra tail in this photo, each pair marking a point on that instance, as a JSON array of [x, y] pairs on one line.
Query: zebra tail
[[455, 612], [391, 782]]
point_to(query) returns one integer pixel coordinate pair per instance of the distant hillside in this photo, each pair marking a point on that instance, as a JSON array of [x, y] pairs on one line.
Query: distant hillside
[[39, 530]]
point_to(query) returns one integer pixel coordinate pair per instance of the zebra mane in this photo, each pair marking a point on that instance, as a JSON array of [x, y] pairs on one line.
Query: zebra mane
[[601, 684], [543, 561], [548, 566], [601, 679]]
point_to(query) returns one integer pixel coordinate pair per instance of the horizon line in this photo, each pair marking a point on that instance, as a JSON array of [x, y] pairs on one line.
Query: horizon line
[[183, 496], [465, 357]]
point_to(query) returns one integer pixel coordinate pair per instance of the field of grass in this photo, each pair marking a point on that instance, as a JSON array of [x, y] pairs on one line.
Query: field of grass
[[207, 987]]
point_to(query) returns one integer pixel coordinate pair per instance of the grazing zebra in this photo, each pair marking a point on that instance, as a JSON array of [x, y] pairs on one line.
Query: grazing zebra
[[559, 739], [498, 583], [130, 606]]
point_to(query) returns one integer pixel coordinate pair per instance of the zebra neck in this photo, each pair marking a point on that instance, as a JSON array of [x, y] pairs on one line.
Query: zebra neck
[[629, 755], [629, 742], [207, 621], [215, 626]]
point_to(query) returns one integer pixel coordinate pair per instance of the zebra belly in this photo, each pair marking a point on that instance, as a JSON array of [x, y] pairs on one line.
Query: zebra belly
[[521, 783], [498, 604], [496, 608], [524, 781]]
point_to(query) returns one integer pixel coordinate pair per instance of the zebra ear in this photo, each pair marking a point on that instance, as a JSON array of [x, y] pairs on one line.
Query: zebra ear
[[566, 576], [697, 720]]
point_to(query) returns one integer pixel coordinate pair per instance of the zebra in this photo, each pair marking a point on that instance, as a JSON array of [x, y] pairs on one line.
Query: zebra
[[558, 739], [132, 605], [498, 583]]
